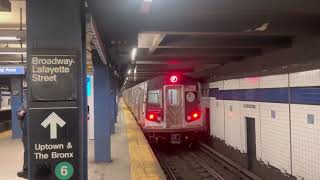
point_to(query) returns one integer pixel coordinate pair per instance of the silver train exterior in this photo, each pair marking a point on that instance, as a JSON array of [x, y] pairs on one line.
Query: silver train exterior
[[167, 108]]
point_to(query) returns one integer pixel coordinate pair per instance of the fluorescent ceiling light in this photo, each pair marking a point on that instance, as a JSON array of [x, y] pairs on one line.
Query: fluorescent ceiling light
[[129, 71], [14, 61], [12, 52], [2, 38], [147, 0], [133, 54]]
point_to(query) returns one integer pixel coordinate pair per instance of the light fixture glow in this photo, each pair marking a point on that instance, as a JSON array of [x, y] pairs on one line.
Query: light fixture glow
[[129, 71], [133, 54], [2, 38], [135, 70], [174, 79], [12, 52]]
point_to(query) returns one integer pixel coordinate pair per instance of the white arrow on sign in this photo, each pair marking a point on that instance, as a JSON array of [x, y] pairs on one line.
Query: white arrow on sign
[[53, 120]]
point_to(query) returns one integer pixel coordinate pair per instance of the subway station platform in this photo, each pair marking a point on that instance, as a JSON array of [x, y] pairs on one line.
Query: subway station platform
[[132, 157]]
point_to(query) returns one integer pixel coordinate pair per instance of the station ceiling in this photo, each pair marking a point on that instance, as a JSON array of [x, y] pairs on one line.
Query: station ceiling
[[196, 37]]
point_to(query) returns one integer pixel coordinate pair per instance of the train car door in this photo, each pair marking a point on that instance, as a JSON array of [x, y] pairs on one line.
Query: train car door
[[174, 106]]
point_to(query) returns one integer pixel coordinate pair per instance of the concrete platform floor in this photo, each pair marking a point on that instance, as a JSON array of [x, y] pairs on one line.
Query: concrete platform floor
[[132, 157], [120, 168]]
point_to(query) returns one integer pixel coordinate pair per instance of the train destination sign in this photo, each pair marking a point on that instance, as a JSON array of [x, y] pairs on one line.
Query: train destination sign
[[54, 143], [51, 69]]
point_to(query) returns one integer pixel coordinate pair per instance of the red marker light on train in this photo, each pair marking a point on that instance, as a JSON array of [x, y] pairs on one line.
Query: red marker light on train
[[174, 79], [151, 116], [195, 115]]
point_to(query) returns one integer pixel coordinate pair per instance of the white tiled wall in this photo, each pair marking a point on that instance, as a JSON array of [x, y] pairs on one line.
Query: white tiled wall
[[217, 84], [250, 109], [275, 135], [205, 102], [217, 118], [250, 83], [305, 142], [233, 124], [274, 81], [231, 84], [306, 78]]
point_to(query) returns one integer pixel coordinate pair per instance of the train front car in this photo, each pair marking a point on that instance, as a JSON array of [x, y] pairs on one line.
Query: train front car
[[173, 113]]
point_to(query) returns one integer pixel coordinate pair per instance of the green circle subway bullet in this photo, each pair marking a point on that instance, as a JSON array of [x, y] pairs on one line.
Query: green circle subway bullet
[[64, 171]]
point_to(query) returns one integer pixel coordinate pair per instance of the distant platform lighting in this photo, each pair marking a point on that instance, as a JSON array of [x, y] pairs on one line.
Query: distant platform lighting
[[133, 54], [12, 53], [2, 38]]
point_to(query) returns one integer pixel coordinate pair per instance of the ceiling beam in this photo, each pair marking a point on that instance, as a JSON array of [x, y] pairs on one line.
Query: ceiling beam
[[178, 62], [123, 59], [156, 42], [98, 43], [225, 34], [13, 51], [165, 53], [5, 6], [213, 46], [157, 70]]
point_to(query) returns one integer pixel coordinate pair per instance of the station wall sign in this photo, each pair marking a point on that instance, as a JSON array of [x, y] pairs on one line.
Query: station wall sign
[[12, 70], [53, 69], [54, 143]]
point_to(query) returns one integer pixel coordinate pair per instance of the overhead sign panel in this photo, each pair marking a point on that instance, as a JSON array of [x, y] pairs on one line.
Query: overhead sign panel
[[59, 70], [12, 70]]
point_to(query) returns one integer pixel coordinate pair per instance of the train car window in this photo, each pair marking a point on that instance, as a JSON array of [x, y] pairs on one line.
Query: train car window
[[154, 97], [173, 97]]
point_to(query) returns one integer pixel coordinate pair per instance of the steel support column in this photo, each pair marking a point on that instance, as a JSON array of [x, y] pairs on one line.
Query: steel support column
[[16, 101], [102, 119]]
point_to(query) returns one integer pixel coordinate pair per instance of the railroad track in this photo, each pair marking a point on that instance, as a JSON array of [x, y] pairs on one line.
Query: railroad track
[[165, 166], [228, 164], [185, 166]]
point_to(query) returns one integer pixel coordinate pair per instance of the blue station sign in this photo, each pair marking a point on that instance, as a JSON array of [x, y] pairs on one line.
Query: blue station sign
[[12, 70]]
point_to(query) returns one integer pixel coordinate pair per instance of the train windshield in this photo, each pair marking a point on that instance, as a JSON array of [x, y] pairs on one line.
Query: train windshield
[[173, 97], [154, 97]]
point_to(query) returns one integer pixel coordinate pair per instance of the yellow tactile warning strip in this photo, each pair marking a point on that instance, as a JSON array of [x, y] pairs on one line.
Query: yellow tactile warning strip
[[144, 164]]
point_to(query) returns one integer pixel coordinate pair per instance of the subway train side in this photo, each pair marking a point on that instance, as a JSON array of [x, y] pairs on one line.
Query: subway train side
[[167, 109]]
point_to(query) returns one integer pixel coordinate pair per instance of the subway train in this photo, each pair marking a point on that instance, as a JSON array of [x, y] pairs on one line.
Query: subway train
[[167, 108]]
